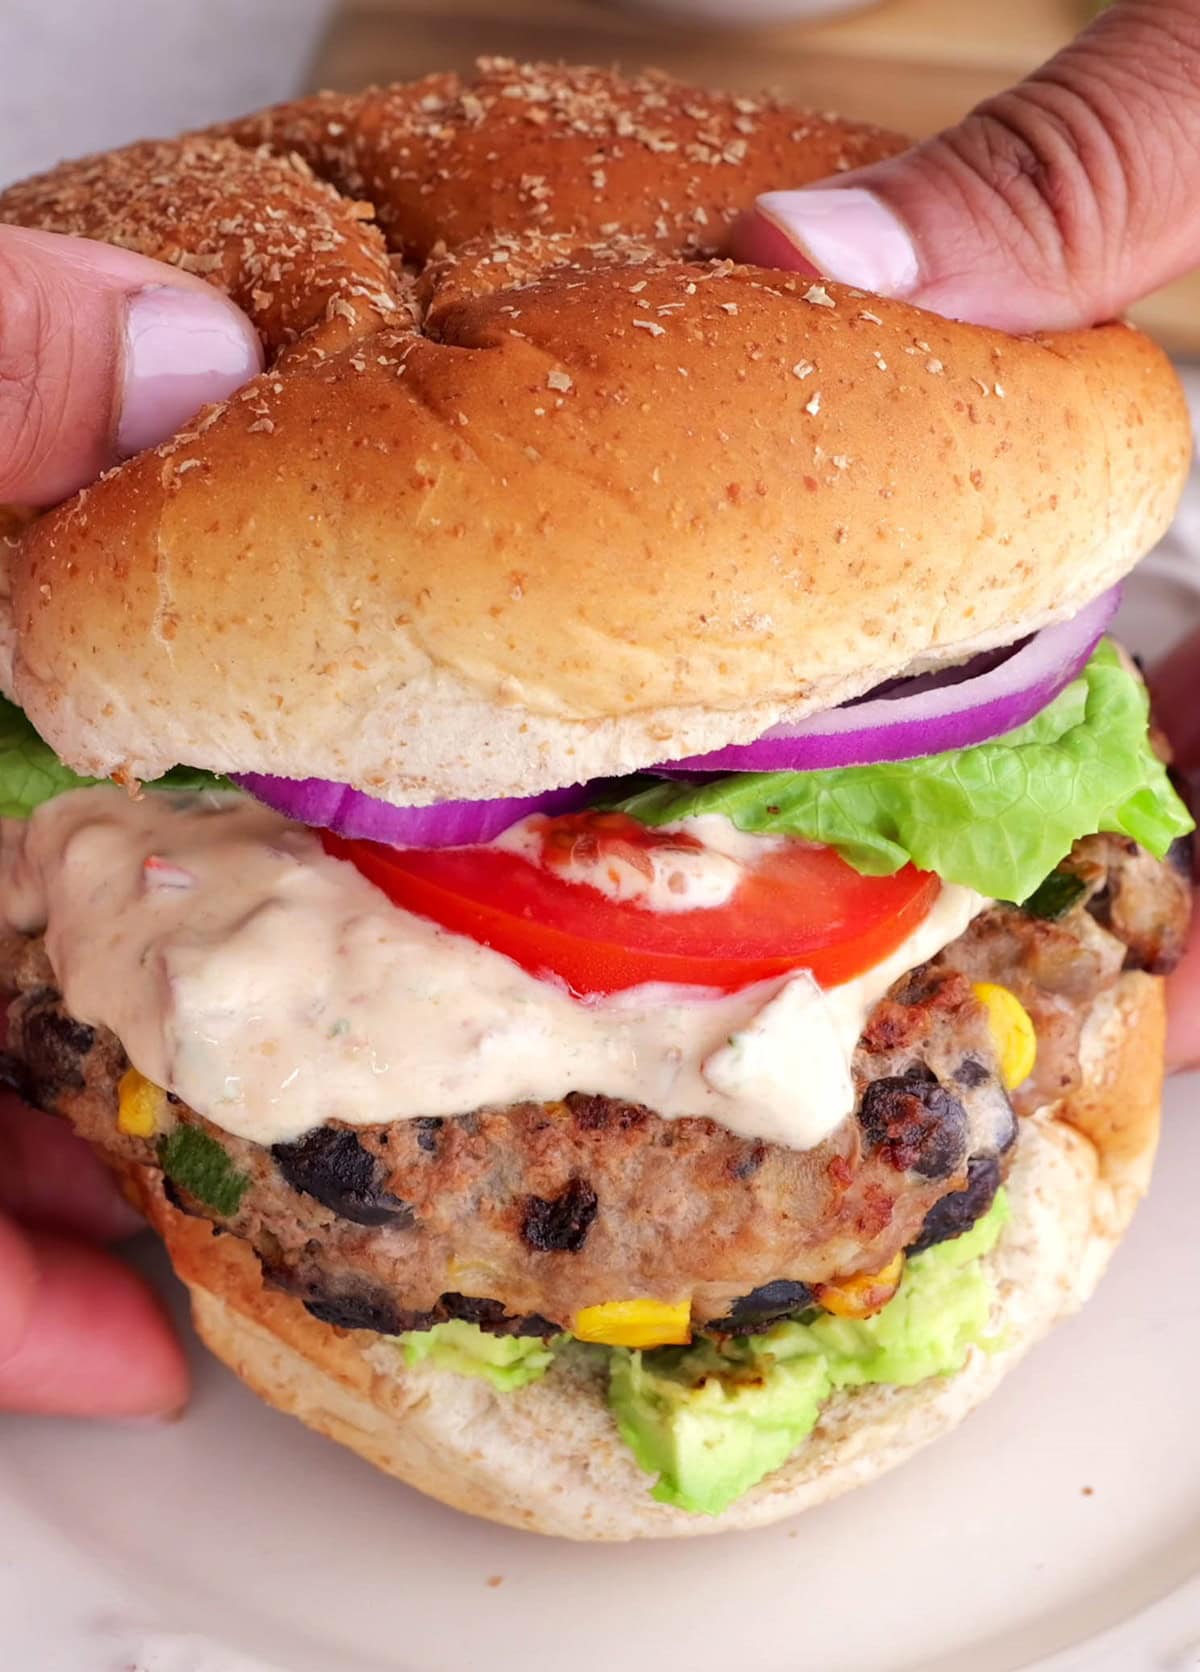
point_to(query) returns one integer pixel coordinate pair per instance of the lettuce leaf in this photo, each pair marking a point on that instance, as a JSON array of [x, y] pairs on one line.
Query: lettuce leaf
[[997, 817], [30, 771]]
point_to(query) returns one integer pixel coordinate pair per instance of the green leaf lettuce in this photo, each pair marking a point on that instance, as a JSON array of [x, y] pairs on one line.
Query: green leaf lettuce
[[30, 771], [997, 817]]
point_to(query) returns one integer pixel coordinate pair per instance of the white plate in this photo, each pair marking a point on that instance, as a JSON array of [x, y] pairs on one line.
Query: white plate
[[1066, 1507], [1059, 1528]]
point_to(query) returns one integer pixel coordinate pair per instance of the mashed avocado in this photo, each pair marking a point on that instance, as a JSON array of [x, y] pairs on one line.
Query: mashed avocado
[[506, 1361], [710, 1421]]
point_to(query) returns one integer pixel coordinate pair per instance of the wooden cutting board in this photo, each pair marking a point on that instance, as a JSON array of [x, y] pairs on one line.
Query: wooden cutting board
[[914, 65]]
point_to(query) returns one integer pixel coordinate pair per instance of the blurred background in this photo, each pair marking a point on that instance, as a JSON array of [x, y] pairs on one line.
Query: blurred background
[[85, 74]]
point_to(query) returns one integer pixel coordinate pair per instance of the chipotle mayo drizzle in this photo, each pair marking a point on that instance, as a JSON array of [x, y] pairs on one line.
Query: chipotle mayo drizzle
[[274, 988]]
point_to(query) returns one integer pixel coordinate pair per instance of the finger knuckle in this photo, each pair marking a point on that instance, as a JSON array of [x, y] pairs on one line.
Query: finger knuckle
[[32, 387], [1046, 173]]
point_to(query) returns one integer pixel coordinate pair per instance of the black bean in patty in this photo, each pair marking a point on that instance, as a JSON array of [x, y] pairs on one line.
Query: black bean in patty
[[560, 1226], [330, 1164], [916, 1123], [762, 1306], [957, 1212], [371, 1309], [971, 1073]]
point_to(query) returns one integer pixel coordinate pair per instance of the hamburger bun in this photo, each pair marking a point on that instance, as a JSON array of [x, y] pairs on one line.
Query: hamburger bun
[[549, 1459], [535, 488]]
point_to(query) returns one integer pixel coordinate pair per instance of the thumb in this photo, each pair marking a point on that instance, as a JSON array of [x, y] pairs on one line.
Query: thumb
[[102, 353], [1052, 205]]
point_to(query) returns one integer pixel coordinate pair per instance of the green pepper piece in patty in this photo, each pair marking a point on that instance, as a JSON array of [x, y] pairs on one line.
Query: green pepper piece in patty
[[198, 1164], [1054, 897]]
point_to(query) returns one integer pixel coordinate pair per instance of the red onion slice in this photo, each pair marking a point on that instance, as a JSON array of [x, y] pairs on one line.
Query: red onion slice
[[922, 717], [925, 715], [447, 824]]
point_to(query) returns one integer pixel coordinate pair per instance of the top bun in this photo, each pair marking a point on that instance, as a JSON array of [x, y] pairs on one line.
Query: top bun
[[536, 488]]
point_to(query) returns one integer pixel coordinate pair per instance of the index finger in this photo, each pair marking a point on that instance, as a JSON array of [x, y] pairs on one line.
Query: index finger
[[85, 1336]]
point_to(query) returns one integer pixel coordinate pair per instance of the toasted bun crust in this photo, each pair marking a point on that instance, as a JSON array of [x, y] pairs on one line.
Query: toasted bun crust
[[549, 1458], [574, 498]]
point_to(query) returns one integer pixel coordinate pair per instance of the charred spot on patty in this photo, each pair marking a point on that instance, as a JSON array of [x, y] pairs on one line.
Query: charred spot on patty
[[474, 1309], [370, 1308], [957, 1212], [356, 1304], [179, 1201], [762, 1306], [605, 1114], [560, 1225], [915, 1123], [535, 1325], [53, 1043], [492, 1316], [428, 1127], [919, 986], [927, 1000], [330, 1164], [358, 1311]]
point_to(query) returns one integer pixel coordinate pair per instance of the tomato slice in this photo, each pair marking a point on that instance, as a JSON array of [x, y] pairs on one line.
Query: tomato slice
[[799, 907]]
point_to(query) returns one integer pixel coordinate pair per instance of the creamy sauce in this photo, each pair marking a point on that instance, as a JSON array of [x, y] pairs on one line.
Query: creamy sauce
[[662, 878], [273, 988]]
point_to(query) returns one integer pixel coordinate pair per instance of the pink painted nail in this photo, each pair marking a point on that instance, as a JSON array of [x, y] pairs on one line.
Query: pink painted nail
[[183, 349], [847, 234]]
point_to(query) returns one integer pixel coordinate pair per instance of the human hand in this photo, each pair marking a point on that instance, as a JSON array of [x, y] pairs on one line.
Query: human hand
[[1053, 205], [102, 353]]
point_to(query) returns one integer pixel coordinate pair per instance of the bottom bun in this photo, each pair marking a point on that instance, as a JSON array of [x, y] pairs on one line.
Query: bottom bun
[[549, 1459]]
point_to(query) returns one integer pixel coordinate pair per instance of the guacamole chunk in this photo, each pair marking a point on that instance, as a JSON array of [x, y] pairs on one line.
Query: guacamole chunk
[[506, 1361], [711, 1421]]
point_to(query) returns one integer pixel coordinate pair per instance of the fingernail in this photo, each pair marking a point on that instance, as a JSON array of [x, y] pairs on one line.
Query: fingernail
[[183, 349], [847, 234]]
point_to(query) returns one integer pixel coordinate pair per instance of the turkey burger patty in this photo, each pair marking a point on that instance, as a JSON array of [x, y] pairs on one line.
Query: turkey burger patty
[[517, 1218]]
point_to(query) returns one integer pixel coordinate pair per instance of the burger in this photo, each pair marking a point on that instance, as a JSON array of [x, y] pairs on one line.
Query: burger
[[581, 844]]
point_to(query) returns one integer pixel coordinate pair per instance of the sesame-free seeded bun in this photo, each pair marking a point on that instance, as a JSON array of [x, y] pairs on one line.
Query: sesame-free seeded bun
[[536, 487]]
